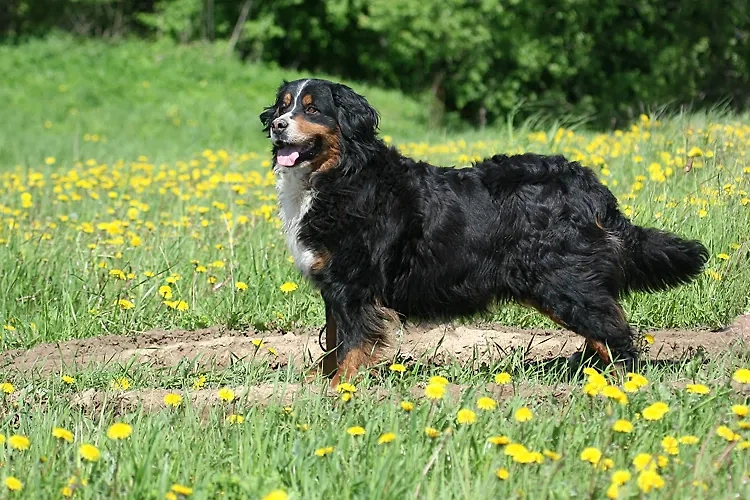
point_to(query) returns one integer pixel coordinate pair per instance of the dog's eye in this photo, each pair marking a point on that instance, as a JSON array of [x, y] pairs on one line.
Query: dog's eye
[[310, 110]]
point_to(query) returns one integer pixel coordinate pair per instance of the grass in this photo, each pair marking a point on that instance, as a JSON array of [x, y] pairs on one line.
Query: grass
[[202, 448], [137, 194]]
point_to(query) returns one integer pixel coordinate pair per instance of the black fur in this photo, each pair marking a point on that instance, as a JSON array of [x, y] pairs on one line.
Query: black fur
[[430, 242]]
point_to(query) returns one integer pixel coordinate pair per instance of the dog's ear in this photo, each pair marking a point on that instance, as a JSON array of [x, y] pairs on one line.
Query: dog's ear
[[266, 116], [357, 119]]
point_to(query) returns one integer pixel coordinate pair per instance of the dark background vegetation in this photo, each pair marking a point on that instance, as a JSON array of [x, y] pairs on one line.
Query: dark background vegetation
[[480, 60]]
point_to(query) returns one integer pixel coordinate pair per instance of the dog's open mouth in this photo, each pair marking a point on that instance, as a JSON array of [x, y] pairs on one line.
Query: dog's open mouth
[[289, 155]]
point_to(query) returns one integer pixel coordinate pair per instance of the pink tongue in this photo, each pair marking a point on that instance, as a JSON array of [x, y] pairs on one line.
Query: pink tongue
[[287, 156]]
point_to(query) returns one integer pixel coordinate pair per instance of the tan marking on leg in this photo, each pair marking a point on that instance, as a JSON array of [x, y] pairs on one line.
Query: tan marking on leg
[[600, 348]]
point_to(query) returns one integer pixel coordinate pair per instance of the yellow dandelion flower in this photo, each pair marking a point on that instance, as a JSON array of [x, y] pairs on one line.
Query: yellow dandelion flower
[[235, 419], [117, 273], [179, 489], [386, 438], [434, 391], [407, 405], [431, 432], [655, 411], [7, 388], [346, 397], [276, 495], [649, 338], [742, 376], [591, 455], [637, 379], [613, 491], [642, 460], [89, 452], [486, 404], [697, 389], [50, 160], [606, 464], [19, 443], [552, 455], [688, 440], [321, 452], [503, 378], [623, 426], [649, 479], [13, 483], [119, 431], [528, 457], [121, 384], [172, 399], [727, 433], [356, 431], [241, 286], [288, 287], [722, 256], [225, 394], [620, 477], [523, 414], [165, 291], [125, 304], [740, 410], [199, 382], [437, 379], [670, 445], [345, 387], [466, 416], [502, 473], [499, 440], [513, 449], [615, 393], [695, 152], [62, 434], [68, 379], [397, 367]]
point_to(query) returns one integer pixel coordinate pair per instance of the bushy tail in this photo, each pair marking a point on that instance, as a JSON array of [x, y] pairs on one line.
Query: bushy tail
[[657, 260]]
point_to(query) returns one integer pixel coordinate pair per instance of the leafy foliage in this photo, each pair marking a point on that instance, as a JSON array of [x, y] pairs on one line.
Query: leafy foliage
[[482, 58]]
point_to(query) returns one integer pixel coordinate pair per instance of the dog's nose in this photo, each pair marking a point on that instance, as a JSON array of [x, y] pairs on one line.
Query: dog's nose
[[279, 124]]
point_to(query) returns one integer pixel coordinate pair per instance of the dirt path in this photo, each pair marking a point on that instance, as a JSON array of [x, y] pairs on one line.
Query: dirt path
[[439, 344]]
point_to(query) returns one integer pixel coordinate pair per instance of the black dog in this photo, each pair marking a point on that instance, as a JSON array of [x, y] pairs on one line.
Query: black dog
[[383, 236]]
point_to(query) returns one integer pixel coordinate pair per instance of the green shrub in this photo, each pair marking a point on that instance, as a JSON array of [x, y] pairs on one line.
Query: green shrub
[[609, 59]]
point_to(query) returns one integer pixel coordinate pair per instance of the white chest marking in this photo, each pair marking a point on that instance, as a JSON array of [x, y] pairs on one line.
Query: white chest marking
[[295, 198]]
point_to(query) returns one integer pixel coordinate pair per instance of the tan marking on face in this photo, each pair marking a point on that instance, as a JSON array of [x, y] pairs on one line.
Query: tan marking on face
[[307, 100], [330, 153], [287, 99]]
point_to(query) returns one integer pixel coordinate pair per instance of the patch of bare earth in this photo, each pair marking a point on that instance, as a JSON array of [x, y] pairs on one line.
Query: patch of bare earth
[[437, 345], [468, 345]]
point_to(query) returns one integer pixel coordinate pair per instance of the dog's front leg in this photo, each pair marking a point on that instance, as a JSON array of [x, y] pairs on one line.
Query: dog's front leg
[[360, 329], [329, 359]]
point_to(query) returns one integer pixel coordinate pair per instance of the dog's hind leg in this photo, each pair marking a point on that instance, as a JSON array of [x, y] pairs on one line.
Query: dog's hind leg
[[595, 315]]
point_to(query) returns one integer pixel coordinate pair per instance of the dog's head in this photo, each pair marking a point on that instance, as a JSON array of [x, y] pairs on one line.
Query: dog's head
[[313, 120]]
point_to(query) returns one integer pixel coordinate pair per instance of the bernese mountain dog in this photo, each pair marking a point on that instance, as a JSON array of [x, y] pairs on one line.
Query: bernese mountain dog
[[385, 237]]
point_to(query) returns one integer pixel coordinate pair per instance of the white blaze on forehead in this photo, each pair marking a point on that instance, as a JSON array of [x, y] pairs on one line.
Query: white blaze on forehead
[[288, 156], [295, 100]]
